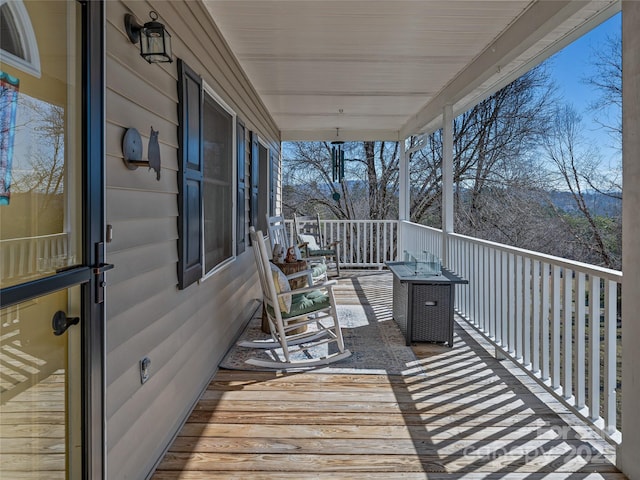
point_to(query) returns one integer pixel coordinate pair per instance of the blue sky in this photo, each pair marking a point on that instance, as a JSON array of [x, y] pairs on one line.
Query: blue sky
[[571, 65]]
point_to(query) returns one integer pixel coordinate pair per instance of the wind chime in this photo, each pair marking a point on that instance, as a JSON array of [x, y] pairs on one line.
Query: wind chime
[[337, 161]]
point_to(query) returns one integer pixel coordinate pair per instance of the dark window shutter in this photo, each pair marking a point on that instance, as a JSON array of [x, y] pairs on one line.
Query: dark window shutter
[[241, 205], [255, 180], [272, 183], [189, 176]]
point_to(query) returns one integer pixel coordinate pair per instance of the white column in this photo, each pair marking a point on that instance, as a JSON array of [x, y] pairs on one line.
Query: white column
[[404, 206], [447, 179], [403, 197], [628, 451]]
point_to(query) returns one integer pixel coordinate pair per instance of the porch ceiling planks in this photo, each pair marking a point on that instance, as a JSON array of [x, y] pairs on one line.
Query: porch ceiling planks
[[382, 69], [470, 414]]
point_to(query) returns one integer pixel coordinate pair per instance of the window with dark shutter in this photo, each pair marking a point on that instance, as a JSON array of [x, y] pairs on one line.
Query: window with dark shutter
[[263, 195], [206, 190], [241, 202], [272, 182], [255, 181], [190, 176]]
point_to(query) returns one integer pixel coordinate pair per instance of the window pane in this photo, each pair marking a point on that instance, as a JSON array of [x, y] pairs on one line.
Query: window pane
[[9, 32], [218, 187], [41, 154]]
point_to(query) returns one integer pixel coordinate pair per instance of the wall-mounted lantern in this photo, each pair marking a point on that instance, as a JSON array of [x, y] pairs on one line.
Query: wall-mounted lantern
[[155, 41]]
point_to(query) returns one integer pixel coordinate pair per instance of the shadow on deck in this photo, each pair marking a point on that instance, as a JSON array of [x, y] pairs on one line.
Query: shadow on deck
[[466, 415]]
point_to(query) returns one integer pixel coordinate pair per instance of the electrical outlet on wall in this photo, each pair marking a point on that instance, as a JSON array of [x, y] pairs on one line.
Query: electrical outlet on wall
[[145, 364]]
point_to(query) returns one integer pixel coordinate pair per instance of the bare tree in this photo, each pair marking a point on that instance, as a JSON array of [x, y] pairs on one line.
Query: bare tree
[[577, 164], [607, 106], [607, 81], [494, 146], [369, 189], [493, 143]]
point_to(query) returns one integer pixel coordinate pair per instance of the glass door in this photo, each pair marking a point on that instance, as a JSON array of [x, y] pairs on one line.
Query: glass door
[[40, 394], [50, 223]]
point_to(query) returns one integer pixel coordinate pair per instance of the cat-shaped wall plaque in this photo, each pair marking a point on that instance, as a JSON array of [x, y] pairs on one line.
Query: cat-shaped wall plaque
[[154, 152]]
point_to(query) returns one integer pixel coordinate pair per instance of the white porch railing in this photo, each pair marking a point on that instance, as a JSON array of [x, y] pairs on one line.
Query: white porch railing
[[535, 308], [363, 243], [540, 311], [30, 256], [420, 238]]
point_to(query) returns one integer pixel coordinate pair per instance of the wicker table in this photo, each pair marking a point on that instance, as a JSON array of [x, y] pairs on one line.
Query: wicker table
[[299, 282], [423, 305]]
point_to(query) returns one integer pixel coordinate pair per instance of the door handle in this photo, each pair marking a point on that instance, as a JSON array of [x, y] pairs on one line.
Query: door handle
[[61, 322]]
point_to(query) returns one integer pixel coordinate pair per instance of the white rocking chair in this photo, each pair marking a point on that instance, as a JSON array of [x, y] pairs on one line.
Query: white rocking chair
[[310, 236], [278, 235], [313, 307]]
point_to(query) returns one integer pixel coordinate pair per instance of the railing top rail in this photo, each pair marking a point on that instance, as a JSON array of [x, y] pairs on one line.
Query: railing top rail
[[418, 225], [322, 220], [601, 272], [22, 239]]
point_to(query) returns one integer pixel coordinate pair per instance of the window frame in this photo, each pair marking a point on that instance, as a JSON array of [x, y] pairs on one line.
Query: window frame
[[30, 62], [208, 90], [262, 183]]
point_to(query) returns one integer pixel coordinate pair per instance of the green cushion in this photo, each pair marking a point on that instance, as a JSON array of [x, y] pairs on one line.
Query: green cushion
[[318, 253], [307, 302], [318, 269]]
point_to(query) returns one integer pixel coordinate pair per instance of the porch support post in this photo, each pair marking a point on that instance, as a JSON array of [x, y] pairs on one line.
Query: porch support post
[[627, 457], [404, 212], [403, 197], [447, 180]]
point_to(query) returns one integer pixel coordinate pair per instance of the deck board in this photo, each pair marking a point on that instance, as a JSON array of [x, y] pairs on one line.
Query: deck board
[[470, 416]]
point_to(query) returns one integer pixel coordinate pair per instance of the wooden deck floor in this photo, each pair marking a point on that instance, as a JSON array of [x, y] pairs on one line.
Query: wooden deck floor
[[471, 416]]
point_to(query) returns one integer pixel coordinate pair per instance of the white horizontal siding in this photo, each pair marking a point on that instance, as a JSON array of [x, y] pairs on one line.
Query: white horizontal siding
[[184, 333]]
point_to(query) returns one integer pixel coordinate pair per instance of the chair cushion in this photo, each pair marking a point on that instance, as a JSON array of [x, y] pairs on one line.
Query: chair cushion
[[318, 269], [310, 240], [320, 252], [307, 302], [282, 285], [303, 303]]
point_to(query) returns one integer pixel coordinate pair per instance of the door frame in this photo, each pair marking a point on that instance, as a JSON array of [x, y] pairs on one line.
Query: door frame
[[88, 275], [94, 335]]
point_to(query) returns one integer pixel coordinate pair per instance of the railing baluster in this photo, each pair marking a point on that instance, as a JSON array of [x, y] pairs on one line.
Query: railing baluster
[[526, 312], [511, 313], [351, 238], [486, 292], [475, 271], [469, 275], [377, 230], [504, 300], [22, 258], [579, 350], [33, 254], [545, 321], [12, 259], [359, 243], [480, 267], [610, 357], [535, 318], [519, 307], [491, 268], [567, 331], [555, 328], [594, 347]]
